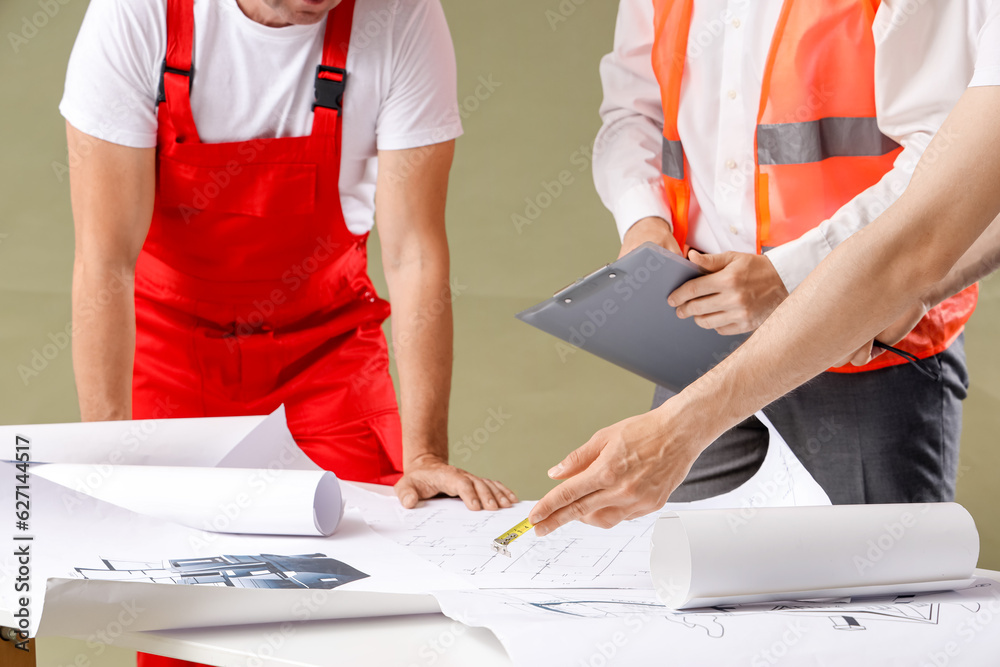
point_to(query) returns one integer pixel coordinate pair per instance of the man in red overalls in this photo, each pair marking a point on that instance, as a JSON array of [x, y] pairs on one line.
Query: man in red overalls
[[222, 214]]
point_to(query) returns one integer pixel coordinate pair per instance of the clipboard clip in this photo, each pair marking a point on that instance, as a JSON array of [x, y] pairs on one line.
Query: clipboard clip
[[586, 285]]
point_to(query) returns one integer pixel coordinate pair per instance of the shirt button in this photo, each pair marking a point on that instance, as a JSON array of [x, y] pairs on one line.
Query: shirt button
[[732, 94], [731, 164], [737, 23], [734, 230]]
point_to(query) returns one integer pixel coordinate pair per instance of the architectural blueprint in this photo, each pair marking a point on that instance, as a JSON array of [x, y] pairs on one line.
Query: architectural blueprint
[[445, 533], [628, 627], [261, 571]]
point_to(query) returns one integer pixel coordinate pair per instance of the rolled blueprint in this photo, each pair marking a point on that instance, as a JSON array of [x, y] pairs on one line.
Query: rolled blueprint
[[223, 500], [703, 558]]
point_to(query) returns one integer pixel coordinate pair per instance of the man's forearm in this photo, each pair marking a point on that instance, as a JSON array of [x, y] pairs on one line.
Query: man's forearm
[[870, 279], [103, 340], [982, 259], [422, 344]]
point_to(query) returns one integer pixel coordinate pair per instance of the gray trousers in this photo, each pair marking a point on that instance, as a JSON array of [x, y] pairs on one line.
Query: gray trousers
[[885, 436]]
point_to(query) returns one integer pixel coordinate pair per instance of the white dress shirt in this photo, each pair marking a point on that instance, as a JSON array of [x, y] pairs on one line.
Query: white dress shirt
[[925, 58]]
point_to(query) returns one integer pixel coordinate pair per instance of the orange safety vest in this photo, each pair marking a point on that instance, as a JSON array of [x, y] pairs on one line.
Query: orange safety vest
[[818, 144]]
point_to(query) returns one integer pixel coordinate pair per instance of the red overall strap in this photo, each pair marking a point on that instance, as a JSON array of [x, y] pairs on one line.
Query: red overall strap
[[177, 70], [326, 117]]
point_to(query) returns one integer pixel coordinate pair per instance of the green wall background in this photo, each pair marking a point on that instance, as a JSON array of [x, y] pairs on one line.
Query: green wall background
[[536, 119]]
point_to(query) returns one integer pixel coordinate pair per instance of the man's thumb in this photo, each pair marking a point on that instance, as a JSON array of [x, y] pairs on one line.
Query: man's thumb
[[710, 263], [407, 493]]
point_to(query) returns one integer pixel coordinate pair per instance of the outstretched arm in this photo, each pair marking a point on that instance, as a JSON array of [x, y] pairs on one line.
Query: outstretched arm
[[630, 469]]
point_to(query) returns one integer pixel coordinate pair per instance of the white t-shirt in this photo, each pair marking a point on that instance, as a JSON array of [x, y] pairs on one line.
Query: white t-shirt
[[254, 81], [988, 59]]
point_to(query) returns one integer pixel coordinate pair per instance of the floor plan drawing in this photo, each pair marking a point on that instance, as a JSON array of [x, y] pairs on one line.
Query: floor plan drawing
[[846, 615], [577, 555], [629, 624]]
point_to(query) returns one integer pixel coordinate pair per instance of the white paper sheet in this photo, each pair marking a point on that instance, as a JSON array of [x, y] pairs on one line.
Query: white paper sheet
[[80, 537], [262, 441], [708, 557], [225, 500], [179, 442], [607, 627], [448, 535], [168, 468], [781, 481]]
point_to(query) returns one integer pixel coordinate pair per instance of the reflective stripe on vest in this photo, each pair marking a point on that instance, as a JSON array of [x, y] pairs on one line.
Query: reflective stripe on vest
[[673, 159], [818, 140]]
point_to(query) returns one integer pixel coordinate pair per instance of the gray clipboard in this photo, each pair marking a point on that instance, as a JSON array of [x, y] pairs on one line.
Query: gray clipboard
[[620, 314]]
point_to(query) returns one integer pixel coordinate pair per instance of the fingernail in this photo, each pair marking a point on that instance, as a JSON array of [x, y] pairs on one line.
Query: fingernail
[[555, 470], [410, 500], [541, 532], [491, 502]]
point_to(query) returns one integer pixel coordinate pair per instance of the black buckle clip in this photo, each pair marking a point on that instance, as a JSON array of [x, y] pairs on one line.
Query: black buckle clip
[[161, 94], [330, 92]]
